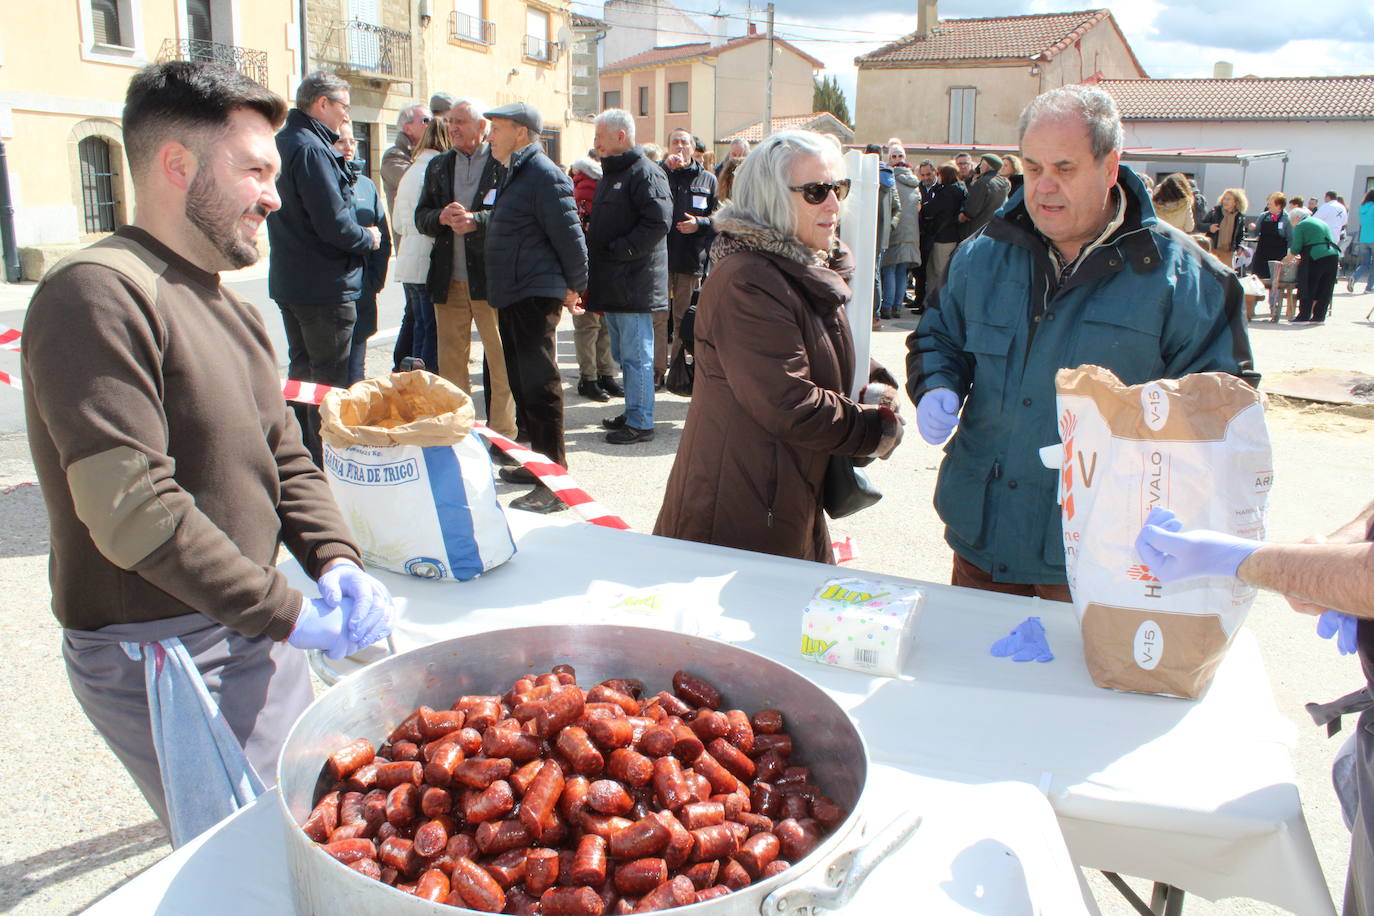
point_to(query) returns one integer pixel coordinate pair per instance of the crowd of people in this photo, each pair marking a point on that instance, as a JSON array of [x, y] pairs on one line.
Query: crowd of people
[[166, 518]]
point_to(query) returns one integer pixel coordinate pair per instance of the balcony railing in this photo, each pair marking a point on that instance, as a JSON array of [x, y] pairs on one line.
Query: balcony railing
[[541, 49], [251, 63], [367, 49], [463, 27]]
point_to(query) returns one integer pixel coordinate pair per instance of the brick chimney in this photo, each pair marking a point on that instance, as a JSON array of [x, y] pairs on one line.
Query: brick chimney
[[927, 17]]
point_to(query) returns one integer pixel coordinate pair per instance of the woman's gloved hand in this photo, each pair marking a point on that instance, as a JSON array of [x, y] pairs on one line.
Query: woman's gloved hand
[[321, 625], [1342, 626], [892, 433], [937, 414], [1174, 554], [372, 612]]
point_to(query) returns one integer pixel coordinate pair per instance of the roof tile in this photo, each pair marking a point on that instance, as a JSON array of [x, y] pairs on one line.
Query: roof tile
[[1311, 98], [990, 38], [666, 54], [754, 132]]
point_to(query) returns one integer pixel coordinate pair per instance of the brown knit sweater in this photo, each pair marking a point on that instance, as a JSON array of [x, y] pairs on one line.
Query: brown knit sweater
[[171, 466]]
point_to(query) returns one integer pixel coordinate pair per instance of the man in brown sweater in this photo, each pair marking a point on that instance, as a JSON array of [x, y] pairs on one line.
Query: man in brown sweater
[[171, 466]]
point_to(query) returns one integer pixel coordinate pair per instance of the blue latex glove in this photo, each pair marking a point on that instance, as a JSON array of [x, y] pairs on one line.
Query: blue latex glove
[[1025, 643], [1174, 554], [372, 614], [1343, 627], [937, 414], [321, 626]]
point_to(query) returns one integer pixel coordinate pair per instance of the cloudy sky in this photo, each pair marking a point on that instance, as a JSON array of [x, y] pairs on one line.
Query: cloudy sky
[[1172, 38]]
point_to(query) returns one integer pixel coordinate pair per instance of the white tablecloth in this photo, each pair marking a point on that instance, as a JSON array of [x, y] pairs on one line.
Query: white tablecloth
[[1198, 794], [991, 850]]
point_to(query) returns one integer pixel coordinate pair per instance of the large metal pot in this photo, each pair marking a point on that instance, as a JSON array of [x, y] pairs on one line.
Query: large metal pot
[[371, 702]]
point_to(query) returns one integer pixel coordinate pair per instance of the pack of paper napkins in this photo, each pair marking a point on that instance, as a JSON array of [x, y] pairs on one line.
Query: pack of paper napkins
[[862, 624]]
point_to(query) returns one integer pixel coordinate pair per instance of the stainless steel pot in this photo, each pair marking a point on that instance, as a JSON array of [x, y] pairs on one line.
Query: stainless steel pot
[[371, 702]]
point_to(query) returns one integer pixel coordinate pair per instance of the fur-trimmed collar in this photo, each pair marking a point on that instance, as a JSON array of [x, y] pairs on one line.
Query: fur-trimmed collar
[[738, 230]]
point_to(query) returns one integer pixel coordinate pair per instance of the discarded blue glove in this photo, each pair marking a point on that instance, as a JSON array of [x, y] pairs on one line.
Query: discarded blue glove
[[1025, 643], [1343, 627]]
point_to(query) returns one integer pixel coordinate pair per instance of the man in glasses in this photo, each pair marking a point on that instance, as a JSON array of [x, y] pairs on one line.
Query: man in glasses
[[1078, 271], [410, 124], [316, 272]]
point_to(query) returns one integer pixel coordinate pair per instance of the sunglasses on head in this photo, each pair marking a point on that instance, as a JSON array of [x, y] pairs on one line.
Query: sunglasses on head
[[815, 192]]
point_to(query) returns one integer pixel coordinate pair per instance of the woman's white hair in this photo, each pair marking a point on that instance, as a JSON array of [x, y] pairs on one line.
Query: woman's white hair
[[765, 177]]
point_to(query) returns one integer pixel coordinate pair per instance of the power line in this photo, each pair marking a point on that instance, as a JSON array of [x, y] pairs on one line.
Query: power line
[[739, 18]]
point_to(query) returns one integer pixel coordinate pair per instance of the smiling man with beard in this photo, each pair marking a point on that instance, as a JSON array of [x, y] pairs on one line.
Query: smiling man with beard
[[171, 467]]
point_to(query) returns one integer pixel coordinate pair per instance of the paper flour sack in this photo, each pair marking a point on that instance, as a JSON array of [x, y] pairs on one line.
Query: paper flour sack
[[1197, 446], [411, 478]]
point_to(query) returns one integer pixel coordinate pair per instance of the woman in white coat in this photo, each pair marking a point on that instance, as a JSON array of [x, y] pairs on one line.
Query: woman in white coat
[[412, 255]]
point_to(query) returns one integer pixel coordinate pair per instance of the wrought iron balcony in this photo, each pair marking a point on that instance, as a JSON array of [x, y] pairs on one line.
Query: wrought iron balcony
[[248, 61], [541, 50], [462, 27], [369, 50]]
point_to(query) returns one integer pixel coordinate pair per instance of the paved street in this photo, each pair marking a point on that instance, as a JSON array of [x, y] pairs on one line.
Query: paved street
[[80, 828]]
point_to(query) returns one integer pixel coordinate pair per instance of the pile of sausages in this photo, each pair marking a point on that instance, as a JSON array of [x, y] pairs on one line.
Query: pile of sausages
[[561, 801]]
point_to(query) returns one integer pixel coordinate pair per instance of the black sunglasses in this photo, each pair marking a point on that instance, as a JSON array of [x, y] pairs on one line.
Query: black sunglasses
[[815, 192]]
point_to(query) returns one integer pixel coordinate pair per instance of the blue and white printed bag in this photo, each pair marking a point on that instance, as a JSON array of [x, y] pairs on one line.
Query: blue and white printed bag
[[412, 480]]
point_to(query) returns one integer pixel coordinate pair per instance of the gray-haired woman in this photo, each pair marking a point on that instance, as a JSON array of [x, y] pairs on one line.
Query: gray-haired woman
[[774, 362]]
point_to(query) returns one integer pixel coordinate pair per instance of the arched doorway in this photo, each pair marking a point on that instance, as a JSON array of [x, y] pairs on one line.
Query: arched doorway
[[98, 203]]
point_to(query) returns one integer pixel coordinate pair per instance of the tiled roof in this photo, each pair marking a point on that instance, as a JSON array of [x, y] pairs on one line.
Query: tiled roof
[[657, 57], [1310, 98], [997, 37], [823, 121], [586, 22]]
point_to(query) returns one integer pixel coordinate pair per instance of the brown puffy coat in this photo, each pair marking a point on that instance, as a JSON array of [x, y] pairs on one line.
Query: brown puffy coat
[[769, 400]]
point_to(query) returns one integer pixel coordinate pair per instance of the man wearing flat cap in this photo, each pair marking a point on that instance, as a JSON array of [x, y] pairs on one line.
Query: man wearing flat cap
[[986, 194], [536, 267], [440, 103]]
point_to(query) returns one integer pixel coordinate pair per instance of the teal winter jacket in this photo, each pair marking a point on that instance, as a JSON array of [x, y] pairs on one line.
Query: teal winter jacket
[[1146, 304]]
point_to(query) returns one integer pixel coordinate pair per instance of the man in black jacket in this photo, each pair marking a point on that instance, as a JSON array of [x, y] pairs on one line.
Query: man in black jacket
[[316, 270], [694, 200], [536, 266], [631, 215], [454, 207]]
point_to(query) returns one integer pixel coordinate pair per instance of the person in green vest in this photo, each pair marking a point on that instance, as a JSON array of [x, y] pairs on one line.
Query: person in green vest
[[1315, 251]]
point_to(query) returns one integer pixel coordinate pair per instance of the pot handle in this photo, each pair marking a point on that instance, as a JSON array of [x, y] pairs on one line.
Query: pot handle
[[319, 662], [837, 889]]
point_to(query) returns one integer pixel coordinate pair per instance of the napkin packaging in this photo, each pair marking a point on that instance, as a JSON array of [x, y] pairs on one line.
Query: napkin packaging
[[861, 624]]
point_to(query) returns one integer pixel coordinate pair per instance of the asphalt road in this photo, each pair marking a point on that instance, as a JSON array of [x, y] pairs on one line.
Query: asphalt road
[[79, 828]]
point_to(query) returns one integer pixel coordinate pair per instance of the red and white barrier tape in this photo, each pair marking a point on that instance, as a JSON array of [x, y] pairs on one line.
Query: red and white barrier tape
[[549, 473], [843, 551]]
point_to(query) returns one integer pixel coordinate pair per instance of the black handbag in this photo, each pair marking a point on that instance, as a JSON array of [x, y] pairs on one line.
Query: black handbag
[[847, 489], [681, 372], [682, 368]]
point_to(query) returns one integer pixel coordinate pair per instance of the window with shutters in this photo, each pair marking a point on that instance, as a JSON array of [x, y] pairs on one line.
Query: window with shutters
[[199, 21], [677, 98], [643, 101], [537, 44], [961, 112], [112, 31], [105, 22], [610, 99]]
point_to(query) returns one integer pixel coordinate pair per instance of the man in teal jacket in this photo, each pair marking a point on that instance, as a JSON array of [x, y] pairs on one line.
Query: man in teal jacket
[[1073, 269]]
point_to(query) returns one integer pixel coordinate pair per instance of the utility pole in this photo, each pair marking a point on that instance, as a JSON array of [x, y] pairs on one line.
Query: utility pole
[[768, 80]]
